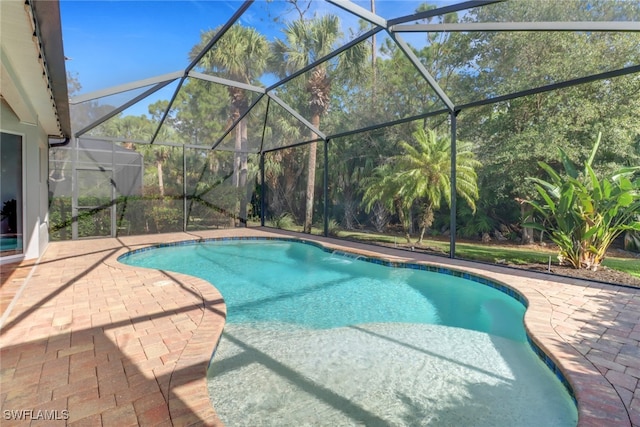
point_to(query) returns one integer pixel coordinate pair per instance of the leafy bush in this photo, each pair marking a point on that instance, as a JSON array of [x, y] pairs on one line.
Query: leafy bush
[[283, 222], [333, 227], [583, 214]]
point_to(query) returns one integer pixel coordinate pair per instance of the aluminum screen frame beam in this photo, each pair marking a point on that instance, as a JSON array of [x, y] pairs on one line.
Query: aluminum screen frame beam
[[169, 77], [360, 12], [297, 144], [389, 124], [613, 26], [428, 77], [225, 82], [441, 11], [325, 58], [560, 85], [122, 107], [295, 114]]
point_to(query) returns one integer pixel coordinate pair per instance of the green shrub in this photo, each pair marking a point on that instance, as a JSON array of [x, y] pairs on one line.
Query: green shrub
[[584, 214]]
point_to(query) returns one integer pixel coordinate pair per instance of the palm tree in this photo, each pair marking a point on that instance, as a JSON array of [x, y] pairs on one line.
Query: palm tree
[[240, 55], [425, 171], [307, 40], [423, 175], [384, 187]]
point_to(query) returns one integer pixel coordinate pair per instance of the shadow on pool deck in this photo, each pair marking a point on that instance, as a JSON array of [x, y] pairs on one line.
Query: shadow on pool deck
[[128, 339]]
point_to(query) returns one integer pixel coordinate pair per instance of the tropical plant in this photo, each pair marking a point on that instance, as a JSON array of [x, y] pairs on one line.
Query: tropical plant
[[283, 222], [383, 187], [583, 214], [422, 176], [425, 173]]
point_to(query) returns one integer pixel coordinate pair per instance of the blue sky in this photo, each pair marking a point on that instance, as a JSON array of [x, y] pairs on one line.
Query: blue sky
[[112, 42], [115, 42]]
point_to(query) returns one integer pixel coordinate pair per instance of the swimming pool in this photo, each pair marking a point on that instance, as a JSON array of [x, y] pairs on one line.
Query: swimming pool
[[316, 337]]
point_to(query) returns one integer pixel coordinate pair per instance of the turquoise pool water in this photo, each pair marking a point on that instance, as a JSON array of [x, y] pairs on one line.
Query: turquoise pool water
[[10, 243], [320, 338]]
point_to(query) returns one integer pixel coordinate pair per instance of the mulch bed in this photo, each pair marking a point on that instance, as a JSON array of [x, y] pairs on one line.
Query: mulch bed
[[604, 274]]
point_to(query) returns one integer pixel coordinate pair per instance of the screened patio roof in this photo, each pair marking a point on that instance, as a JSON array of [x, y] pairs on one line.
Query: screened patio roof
[[454, 79]]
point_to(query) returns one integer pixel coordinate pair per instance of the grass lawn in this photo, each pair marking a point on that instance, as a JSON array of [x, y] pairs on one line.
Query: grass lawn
[[493, 253]]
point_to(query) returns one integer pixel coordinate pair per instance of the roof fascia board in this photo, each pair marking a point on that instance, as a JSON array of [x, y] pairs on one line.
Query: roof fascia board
[[222, 81], [49, 28], [296, 115], [428, 77], [441, 11], [519, 26], [360, 12], [165, 78]]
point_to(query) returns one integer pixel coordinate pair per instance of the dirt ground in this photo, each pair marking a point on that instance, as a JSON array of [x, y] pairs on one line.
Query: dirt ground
[[603, 275]]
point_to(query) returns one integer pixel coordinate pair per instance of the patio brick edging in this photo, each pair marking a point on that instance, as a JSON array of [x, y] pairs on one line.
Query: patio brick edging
[[188, 396], [598, 402]]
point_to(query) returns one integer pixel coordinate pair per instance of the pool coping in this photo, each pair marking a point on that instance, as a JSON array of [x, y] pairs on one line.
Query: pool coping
[[549, 321]]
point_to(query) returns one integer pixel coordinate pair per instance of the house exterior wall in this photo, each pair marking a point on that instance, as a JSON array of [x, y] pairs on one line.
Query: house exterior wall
[[35, 195]]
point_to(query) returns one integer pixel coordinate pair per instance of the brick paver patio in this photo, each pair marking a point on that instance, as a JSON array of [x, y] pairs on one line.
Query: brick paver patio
[[93, 342]]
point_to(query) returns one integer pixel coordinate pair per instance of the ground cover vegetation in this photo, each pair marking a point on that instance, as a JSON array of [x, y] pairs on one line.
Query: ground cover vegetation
[[394, 182]]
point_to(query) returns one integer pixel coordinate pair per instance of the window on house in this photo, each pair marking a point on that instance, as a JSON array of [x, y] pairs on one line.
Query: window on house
[[11, 227]]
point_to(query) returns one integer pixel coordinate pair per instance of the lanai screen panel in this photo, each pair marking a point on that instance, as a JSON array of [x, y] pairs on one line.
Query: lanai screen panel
[[217, 195], [139, 122], [371, 198], [87, 113], [283, 129], [272, 40], [285, 188], [475, 65], [158, 36], [159, 207], [368, 91], [60, 179], [246, 134], [203, 111], [552, 11]]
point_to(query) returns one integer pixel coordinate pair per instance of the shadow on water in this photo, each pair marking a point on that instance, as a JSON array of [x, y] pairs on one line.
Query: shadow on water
[[471, 396], [253, 355]]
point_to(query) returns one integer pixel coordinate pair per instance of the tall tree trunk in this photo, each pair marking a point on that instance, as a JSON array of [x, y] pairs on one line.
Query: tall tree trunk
[[403, 220], [527, 233], [160, 178], [237, 146], [426, 221], [311, 177], [242, 179]]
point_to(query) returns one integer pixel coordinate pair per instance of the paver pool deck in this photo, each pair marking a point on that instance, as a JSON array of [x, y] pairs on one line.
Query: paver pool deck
[[93, 342]]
